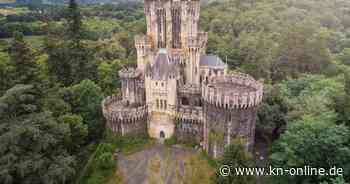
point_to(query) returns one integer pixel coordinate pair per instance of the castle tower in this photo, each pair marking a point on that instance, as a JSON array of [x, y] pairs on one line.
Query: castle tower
[[132, 86], [192, 66], [143, 48], [173, 24], [161, 94], [230, 109], [170, 23]]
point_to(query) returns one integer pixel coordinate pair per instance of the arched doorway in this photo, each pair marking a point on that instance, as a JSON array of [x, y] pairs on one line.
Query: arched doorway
[[161, 134]]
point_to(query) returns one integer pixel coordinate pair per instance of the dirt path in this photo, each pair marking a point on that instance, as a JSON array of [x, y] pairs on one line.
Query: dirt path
[[164, 165]]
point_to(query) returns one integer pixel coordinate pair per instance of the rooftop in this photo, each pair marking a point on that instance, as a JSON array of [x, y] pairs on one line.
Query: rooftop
[[163, 66], [211, 61]]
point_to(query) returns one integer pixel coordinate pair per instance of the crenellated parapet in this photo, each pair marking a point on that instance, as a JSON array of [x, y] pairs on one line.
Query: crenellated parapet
[[198, 41], [189, 113], [106, 103], [237, 91], [189, 127], [190, 89], [193, 42], [116, 109], [122, 117], [143, 40], [129, 73]]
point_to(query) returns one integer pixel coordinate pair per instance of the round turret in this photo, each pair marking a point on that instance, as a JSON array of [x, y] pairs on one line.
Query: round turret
[[122, 117], [233, 92], [230, 108]]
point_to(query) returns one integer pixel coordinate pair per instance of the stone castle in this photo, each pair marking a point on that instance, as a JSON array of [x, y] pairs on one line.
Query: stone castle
[[178, 90]]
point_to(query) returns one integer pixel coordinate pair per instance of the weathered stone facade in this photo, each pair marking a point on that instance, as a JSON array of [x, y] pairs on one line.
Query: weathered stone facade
[[178, 90]]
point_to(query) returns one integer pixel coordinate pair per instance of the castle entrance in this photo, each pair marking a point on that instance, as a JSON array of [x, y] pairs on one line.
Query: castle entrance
[[161, 134], [161, 126]]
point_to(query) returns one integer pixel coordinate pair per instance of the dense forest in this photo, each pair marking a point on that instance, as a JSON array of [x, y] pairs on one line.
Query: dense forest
[[57, 63]]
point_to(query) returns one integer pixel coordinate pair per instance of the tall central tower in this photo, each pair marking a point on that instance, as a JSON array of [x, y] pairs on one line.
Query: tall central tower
[[173, 25]]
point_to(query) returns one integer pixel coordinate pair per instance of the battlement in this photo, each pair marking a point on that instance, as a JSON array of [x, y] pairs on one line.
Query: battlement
[[189, 89], [193, 42], [190, 113], [114, 109], [142, 40], [129, 73], [202, 39], [237, 91], [198, 41]]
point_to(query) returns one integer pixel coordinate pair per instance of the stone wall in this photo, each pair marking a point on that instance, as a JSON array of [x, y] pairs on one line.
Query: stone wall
[[133, 87], [122, 118], [224, 125], [230, 110], [189, 125]]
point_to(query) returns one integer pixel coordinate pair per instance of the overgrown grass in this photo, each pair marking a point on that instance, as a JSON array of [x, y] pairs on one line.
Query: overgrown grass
[[174, 141], [211, 161], [171, 141], [101, 166]]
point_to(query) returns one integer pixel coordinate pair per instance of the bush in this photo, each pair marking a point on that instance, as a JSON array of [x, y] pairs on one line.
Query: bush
[[105, 161], [171, 141]]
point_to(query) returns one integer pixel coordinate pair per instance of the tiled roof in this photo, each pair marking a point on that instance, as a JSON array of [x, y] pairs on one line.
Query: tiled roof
[[163, 66], [211, 60]]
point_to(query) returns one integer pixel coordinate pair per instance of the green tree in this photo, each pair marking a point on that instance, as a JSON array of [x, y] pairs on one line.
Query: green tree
[[78, 131], [347, 97], [85, 99], [70, 59], [317, 142], [110, 49], [74, 25], [5, 78], [272, 114], [338, 180], [108, 76], [25, 70], [32, 148], [59, 66], [302, 49], [257, 51], [310, 95], [344, 56], [235, 156]]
